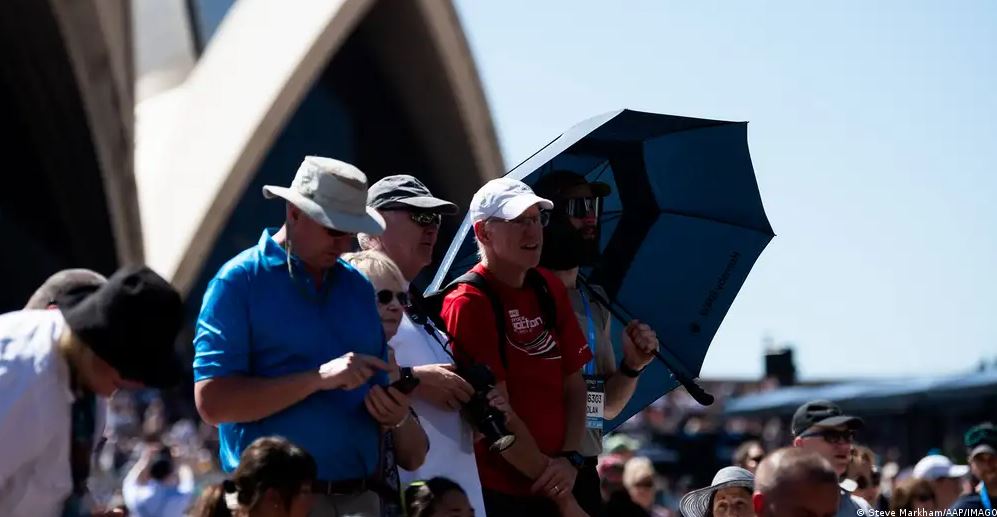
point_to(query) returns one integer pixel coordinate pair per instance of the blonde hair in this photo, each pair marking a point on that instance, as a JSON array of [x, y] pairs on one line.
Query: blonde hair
[[636, 469], [373, 263], [368, 242]]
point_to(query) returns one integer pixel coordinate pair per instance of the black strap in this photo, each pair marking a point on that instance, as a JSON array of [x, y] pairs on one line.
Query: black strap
[[534, 279], [548, 307], [478, 282]]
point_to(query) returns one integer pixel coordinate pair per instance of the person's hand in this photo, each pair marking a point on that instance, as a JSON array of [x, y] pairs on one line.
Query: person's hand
[[640, 342], [499, 399], [439, 384], [388, 407], [349, 371], [557, 479]]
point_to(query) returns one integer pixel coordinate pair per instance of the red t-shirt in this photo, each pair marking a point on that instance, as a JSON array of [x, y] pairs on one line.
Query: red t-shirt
[[538, 362]]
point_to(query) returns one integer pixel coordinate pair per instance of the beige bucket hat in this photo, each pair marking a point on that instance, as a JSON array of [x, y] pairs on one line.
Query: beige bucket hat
[[333, 194]]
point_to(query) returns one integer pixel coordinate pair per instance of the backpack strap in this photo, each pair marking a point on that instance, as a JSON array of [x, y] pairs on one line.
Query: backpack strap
[[478, 282], [534, 279], [548, 307]]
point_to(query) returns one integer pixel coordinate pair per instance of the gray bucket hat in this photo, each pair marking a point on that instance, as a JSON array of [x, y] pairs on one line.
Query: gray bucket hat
[[331, 193], [697, 502]]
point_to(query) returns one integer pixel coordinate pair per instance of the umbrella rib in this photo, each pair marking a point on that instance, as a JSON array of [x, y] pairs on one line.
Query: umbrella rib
[[604, 167], [767, 231]]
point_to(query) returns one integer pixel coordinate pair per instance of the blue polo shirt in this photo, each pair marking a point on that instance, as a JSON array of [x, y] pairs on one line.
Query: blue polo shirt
[[260, 320]]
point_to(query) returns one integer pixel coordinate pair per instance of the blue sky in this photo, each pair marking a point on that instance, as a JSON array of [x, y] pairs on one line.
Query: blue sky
[[873, 132]]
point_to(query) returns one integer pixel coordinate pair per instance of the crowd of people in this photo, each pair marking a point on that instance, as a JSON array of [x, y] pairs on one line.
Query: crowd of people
[[326, 385]]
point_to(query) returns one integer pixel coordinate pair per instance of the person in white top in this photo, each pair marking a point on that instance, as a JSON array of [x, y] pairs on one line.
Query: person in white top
[[413, 216], [68, 287], [52, 363], [155, 486]]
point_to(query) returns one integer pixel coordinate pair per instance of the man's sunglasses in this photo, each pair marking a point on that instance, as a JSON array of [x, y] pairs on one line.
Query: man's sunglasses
[[524, 221], [422, 218], [581, 207], [384, 297], [335, 234], [832, 436], [425, 219]]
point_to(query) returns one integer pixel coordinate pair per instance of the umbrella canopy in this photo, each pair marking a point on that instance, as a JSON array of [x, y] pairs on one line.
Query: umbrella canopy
[[679, 232]]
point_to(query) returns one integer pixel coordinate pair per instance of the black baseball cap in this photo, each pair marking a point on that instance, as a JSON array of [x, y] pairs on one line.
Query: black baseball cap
[[560, 185], [981, 438], [822, 413], [404, 191]]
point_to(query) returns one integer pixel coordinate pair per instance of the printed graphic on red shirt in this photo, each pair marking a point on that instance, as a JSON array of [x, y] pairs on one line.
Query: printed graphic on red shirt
[[543, 345]]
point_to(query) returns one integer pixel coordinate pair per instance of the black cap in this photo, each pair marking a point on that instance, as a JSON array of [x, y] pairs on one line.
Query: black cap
[[404, 191], [131, 322], [822, 413], [561, 184], [981, 438]]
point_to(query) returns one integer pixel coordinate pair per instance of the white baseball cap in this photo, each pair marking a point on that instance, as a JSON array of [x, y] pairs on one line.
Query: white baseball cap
[[504, 198], [937, 466]]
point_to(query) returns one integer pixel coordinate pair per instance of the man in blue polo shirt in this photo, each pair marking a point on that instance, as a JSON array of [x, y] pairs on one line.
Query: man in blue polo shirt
[[289, 343]]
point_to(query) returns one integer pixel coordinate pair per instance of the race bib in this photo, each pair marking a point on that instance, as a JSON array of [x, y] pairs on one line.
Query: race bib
[[595, 402]]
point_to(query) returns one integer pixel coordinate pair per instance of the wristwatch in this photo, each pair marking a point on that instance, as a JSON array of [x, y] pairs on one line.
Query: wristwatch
[[574, 458], [628, 371]]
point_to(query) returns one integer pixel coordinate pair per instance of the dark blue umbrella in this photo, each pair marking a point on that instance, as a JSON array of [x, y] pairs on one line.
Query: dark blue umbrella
[[679, 233]]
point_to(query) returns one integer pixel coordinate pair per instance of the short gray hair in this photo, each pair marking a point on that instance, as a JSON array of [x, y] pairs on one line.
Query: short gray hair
[[790, 465]]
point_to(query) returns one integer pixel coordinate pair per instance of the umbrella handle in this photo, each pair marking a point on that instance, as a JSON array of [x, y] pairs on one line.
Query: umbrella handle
[[678, 373], [695, 390]]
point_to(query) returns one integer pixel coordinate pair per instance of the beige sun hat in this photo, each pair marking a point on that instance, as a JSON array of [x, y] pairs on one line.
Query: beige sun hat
[[333, 194]]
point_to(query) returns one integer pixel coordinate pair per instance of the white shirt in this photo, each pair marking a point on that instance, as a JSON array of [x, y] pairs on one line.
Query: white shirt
[[451, 440], [35, 400], [155, 499]]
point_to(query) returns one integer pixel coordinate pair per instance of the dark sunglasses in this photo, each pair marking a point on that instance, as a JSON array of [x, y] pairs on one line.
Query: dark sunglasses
[[581, 207], [832, 436], [923, 498], [384, 297], [645, 483], [426, 218]]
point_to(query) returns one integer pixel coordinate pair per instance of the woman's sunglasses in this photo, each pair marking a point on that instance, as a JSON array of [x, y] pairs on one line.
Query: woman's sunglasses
[[384, 297]]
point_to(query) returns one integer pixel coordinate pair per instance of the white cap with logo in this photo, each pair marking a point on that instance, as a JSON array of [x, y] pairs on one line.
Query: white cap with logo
[[504, 198], [937, 466]]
